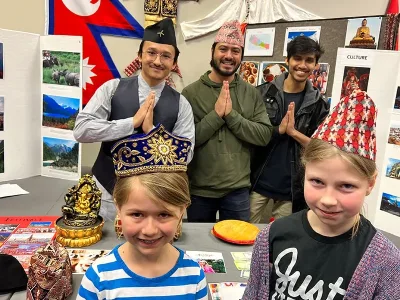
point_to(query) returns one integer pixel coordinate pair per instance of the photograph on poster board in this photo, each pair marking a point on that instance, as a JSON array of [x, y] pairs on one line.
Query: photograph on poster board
[[397, 100], [394, 133], [1, 156], [248, 71], [393, 168], [319, 77], [259, 42], [354, 78], [390, 204], [363, 33], [61, 67], [271, 69], [312, 32], [1, 61], [60, 154], [1, 113], [60, 112]]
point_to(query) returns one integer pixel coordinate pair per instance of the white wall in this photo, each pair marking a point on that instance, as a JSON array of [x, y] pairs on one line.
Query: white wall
[[29, 16]]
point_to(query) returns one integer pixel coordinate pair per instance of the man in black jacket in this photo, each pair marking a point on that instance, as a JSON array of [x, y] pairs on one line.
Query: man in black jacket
[[295, 108]]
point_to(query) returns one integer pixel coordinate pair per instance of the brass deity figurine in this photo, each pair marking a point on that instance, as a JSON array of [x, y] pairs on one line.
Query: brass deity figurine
[[82, 203], [81, 224]]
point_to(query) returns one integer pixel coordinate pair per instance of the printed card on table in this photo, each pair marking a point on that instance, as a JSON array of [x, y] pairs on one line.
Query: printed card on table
[[227, 290], [210, 262], [82, 259]]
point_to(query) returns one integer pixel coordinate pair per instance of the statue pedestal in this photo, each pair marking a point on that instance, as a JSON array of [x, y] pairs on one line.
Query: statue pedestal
[[76, 237]]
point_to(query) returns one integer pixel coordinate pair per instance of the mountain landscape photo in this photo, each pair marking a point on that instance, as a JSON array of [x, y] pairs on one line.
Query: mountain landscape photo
[[60, 112], [60, 154]]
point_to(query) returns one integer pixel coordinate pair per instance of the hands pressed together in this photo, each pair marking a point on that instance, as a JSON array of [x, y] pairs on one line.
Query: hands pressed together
[[144, 116], [223, 106], [287, 123]]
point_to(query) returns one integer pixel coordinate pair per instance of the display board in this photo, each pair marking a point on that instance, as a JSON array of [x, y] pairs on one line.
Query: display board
[[40, 97], [366, 68], [331, 36]]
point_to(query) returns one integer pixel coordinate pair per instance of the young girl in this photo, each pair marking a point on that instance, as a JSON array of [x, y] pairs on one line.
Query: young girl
[[330, 251], [151, 195]]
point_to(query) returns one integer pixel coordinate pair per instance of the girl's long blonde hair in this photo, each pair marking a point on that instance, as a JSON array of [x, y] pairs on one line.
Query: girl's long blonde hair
[[318, 150], [163, 188]]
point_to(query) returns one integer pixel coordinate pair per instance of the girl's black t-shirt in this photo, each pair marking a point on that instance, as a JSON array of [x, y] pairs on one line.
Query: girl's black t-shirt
[[307, 265]]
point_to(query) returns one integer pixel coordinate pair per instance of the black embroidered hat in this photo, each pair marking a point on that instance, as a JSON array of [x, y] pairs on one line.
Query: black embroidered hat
[[162, 32], [12, 276]]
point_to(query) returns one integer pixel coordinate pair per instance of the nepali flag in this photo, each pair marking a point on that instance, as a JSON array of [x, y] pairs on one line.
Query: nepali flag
[[90, 19]]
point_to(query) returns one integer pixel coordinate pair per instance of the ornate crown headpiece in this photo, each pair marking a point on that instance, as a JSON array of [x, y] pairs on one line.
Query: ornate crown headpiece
[[157, 151]]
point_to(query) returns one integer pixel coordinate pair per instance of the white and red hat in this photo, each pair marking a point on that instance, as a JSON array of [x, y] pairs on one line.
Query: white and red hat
[[230, 33], [351, 126]]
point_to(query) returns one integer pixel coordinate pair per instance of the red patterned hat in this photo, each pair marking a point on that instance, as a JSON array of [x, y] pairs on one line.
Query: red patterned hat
[[351, 126], [230, 33]]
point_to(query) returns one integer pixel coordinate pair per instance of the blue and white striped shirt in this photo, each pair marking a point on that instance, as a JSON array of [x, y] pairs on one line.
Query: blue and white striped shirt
[[110, 278]]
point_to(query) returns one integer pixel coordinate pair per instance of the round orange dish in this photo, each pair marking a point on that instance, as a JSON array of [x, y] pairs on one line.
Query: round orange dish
[[236, 232]]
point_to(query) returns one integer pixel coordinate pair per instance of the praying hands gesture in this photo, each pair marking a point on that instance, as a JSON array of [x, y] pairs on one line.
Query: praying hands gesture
[[287, 123], [287, 126], [144, 116], [223, 106]]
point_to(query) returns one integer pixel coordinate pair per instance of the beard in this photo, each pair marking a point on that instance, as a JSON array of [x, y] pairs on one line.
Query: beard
[[214, 64]]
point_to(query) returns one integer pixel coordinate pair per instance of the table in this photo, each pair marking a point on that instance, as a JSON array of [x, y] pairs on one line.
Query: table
[[195, 236], [46, 196]]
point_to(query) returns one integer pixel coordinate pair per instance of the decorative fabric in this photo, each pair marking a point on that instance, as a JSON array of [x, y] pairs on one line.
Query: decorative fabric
[[351, 126], [50, 273], [157, 10], [91, 19], [391, 32], [230, 33], [257, 11], [157, 151], [162, 32]]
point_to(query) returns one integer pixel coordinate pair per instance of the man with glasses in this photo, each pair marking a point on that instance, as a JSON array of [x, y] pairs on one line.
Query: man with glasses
[[123, 106]]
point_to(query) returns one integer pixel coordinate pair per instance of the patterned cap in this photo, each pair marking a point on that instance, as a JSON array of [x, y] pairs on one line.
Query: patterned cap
[[351, 126], [230, 33], [157, 151]]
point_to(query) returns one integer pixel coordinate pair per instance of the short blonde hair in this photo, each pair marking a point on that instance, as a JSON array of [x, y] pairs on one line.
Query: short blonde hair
[[318, 150], [164, 188]]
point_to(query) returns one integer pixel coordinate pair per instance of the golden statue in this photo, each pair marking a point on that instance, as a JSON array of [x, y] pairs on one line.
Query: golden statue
[[81, 225], [363, 37], [82, 203]]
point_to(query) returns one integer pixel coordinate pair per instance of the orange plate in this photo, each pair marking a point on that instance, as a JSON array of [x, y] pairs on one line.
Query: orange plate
[[236, 232]]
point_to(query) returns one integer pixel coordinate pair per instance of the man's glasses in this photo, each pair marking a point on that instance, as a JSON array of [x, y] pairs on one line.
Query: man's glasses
[[164, 57]]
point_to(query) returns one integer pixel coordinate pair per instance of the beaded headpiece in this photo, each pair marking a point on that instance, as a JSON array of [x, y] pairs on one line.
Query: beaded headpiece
[[157, 151], [351, 126]]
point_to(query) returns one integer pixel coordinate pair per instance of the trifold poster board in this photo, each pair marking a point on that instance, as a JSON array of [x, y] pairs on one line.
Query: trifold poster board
[[40, 96], [377, 73]]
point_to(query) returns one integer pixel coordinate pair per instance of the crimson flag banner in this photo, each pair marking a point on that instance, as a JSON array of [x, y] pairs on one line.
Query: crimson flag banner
[[91, 19]]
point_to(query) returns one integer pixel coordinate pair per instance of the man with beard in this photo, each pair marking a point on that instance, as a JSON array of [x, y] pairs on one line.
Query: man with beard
[[121, 107], [230, 118], [295, 108]]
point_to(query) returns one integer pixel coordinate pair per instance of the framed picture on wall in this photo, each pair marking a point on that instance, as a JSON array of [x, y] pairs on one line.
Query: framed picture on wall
[[363, 33], [259, 42], [312, 32]]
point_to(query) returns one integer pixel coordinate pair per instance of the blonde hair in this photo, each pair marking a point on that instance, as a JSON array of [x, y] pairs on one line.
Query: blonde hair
[[318, 150], [163, 188]]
